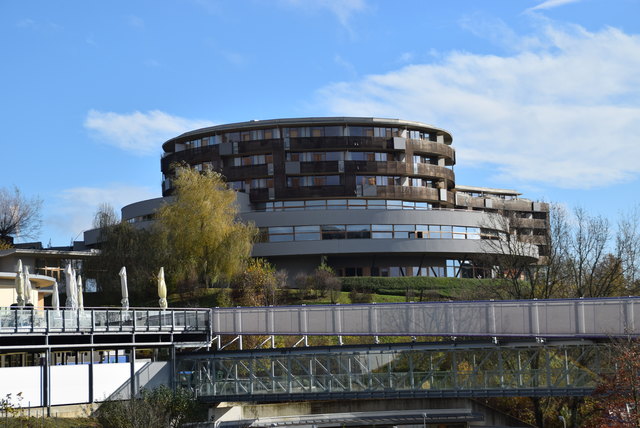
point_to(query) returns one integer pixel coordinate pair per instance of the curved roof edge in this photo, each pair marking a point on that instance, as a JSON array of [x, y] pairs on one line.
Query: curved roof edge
[[258, 124]]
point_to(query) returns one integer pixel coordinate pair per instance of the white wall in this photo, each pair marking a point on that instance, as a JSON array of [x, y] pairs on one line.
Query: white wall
[[27, 380], [70, 384]]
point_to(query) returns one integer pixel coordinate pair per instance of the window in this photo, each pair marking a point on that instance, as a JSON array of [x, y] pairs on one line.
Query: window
[[358, 231], [314, 180], [280, 234], [333, 131], [307, 233], [333, 231]]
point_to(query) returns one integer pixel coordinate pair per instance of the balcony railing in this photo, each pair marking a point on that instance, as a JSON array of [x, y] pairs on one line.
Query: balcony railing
[[103, 320]]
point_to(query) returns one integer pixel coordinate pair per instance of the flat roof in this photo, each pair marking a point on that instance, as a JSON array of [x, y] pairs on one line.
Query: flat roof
[[262, 124], [477, 189], [51, 254]]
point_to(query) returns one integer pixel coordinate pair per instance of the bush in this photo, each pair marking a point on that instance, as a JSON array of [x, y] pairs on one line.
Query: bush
[[413, 287], [159, 407]]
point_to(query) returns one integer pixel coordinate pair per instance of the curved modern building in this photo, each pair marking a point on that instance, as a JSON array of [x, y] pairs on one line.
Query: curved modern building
[[368, 196]]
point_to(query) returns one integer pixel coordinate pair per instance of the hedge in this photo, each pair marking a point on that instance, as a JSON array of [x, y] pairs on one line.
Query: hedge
[[399, 285]]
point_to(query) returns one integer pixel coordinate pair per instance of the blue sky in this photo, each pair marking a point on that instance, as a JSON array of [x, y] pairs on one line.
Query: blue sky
[[540, 96]]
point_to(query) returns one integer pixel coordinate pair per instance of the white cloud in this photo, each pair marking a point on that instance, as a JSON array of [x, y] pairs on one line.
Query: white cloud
[[137, 132], [564, 110], [342, 9], [549, 4], [71, 212], [346, 65]]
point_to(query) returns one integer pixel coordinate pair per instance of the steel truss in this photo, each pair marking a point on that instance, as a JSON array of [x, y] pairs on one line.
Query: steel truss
[[397, 370]]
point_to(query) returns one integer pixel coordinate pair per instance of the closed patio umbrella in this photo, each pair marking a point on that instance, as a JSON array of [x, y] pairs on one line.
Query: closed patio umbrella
[[27, 286], [71, 287], [55, 298], [19, 284], [80, 296], [162, 289], [123, 288]]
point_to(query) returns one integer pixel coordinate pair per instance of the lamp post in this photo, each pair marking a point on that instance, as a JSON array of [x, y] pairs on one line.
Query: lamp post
[[424, 420]]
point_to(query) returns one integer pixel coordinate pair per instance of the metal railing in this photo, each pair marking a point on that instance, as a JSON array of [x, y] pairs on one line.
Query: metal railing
[[596, 318], [103, 320], [405, 370]]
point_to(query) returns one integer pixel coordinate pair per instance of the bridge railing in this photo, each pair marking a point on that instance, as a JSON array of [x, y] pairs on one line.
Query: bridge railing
[[102, 320], [430, 369], [603, 317]]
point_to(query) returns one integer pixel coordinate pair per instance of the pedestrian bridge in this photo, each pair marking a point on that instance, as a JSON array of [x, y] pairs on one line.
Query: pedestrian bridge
[[400, 370], [559, 318]]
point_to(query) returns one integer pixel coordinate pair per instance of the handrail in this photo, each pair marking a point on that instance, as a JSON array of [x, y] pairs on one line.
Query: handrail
[[102, 320]]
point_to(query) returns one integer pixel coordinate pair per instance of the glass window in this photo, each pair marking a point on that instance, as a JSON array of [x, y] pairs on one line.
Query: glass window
[[315, 205], [300, 229], [358, 231], [333, 231], [382, 227], [280, 229], [280, 238], [333, 131], [332, 180], [376, 203], [356, 131], [336, 204], [334, 156], [394, 205], [317, 131], [381, 235], [404, 227]]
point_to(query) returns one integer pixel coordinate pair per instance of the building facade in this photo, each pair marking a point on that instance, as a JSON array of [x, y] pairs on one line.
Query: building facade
[[367, 196]]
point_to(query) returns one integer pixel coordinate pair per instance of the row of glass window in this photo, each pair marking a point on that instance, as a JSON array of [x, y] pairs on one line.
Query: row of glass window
[[250, 160], [309, 131], [342, 204], [339, 156], [367, 231], [451, 269], [255, 183], [329, 180], [314, 180]]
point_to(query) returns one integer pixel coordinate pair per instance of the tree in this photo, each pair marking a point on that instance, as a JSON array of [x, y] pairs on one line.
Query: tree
[[616, 400], [141, 251], [206, 241], [19, 215], [510, 257], [105, 216], [325, 281], [259, 284]]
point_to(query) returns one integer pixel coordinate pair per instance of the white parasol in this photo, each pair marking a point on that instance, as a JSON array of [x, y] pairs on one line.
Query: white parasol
[[71, 287], [55, 298], [80, 296], [19, 284], [162, 289], [123, 287], [27, 286]]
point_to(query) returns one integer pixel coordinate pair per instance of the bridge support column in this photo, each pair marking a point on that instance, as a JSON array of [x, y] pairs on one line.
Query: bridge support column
[[132, 371], [91, 356], [46, 381]]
